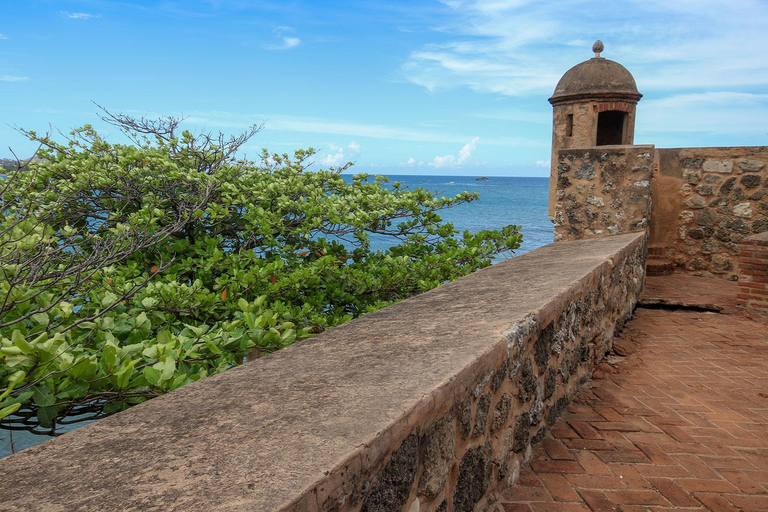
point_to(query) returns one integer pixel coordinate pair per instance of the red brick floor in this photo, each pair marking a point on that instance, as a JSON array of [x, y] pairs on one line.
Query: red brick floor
[[680, 423]]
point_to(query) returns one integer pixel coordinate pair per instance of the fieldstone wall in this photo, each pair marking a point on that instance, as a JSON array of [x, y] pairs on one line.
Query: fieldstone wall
[[456, 462], [706, 201], [603, 191], [427, 405]]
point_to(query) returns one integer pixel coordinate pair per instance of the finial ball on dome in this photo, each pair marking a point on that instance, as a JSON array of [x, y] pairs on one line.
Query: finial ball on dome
[[598, 47]]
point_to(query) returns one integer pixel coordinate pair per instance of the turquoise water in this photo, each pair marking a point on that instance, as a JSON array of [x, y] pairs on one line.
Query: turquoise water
[[503, 201]]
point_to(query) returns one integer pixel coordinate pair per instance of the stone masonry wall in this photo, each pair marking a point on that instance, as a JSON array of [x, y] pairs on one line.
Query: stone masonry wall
[[603, 191], [455, 461], [430, 404], [753, 272], [706, 201]]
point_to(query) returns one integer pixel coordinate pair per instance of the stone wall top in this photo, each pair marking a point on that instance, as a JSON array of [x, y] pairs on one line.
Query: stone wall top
[[285, 431]]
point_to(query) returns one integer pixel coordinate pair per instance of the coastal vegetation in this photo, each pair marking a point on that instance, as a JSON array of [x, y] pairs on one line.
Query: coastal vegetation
[[128, 270]]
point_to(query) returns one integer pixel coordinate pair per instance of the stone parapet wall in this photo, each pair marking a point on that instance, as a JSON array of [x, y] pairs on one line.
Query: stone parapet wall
[[753, 272], [430, 404], [603, 191], [706, 201]]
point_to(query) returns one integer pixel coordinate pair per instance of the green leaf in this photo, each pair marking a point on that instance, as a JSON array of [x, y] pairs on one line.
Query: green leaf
[[169, 367], [7, 411], [41, 318], [21, 343], [152, 375], [112, 408], [125, 373], [66, 309], [42, 395], [47, 416], [149, 302]]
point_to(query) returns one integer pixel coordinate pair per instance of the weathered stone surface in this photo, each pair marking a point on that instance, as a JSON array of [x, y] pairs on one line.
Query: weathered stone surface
[[713, 179], [522, 432], [586, 171], [437, 458], [710, 247], [751, 166], [557, 409], [760, 226], [617, 199], [732, 182], [481, 414], [692, 177], [720, 166], [751, 180], [501, 412], [392, 487], [695, 202], [542, 346], [550, 384], [500, 375], [443, 507], [743, 210], [465, 417], [691, 162], [727, 186], [527, 382], [720, 264], [706, 217], [474, 477]]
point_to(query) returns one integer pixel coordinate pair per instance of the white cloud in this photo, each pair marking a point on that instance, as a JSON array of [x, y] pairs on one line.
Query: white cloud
[[333, 159], [443, 161], [221, 119], [81, 15], [410, 161], [3, 37], [9, 78], [523, 47], [286, 42], [338, 156], [720, 113], [544, 163], [465, 153]]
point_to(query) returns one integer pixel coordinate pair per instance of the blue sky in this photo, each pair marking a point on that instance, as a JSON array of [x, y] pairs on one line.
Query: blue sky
[[411, 87]]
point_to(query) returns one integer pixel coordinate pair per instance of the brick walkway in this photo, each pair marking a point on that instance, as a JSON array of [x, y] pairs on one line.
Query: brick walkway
[[680, 423]]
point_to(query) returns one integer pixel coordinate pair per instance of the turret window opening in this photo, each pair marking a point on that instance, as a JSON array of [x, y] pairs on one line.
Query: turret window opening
[[611, 127], [569, 126]]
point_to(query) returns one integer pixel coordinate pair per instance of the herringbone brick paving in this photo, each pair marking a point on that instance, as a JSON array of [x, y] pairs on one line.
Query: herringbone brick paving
[[680, 423]]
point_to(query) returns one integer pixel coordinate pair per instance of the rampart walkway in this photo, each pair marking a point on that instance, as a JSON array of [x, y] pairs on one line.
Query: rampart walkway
[[680, 423]]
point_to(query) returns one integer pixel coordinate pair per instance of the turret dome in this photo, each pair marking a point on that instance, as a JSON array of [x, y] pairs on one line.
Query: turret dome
[[596, 78]]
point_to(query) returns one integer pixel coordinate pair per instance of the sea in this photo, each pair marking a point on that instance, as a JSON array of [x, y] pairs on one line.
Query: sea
[[503, 201]]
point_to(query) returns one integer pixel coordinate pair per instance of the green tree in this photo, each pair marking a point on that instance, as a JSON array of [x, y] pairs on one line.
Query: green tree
[[128, 270]]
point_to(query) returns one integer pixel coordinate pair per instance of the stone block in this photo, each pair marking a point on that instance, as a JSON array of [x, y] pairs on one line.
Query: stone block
[[751, 180], [743, 210], [751, 165], [718, 166], [437, 458]]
